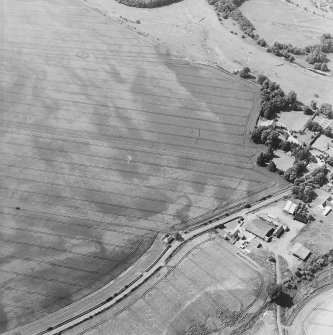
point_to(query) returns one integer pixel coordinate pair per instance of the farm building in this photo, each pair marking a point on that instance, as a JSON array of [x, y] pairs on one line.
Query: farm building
[[300, 251], [290, 207], [267, 123], [260, 228], [327, 210], [168, 239], [327, 205], [232, 236], [278, 231], [269, 218]]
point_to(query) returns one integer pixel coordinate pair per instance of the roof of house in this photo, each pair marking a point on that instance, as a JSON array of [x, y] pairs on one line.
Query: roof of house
[[292, 208], [287, 206], [300, 251], [259, 228]]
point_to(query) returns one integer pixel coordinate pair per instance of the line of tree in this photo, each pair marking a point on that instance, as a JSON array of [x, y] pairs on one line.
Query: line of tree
[[146, 3], [230, 9], [285, 50]]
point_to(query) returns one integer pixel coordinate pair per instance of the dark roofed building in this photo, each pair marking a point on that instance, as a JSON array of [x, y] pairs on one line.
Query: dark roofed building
[[260, 228]]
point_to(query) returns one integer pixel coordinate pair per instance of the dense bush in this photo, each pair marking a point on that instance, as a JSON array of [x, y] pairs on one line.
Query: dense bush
[[307, 110], [294, 172], [273, 98], [288, 48], [272, 166], [328, 132], [261, 42], [305, 186], [229, 8], [329, 161], [245, 72], [302, 154], [286, 146], [285, 50], [315, 126], [324, 67], [316, 56], [325, 46], [264, 157], [326, 109], [257, 133]]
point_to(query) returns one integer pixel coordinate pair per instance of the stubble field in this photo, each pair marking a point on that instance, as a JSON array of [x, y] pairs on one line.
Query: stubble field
[[106, 139]]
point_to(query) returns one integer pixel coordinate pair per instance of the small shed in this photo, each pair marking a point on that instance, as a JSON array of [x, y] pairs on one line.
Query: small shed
[[300, 251]]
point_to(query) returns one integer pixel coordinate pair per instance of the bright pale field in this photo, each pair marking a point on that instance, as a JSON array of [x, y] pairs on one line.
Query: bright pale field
[[106, 139], [316, 318], [208, 284]]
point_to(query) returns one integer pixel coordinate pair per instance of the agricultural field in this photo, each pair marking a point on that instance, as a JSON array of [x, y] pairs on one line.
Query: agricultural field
[[106, 140], [277, 21], [192, 28], [207, 286], [315, 317]]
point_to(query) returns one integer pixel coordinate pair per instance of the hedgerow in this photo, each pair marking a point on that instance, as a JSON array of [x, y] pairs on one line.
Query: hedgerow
[[146, 3]]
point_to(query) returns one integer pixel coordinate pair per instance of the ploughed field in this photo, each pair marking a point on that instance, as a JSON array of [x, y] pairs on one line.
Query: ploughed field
[[106, 139], [208, 287]]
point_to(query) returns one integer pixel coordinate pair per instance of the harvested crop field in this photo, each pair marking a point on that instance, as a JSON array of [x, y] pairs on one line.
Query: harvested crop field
[[106, 139], [207, 287]]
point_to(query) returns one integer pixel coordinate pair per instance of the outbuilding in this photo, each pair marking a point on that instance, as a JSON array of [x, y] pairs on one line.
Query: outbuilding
[[300, 251]]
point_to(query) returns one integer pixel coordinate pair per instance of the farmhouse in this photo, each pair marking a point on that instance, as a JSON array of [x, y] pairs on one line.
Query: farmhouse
[[300, 251], [260, 228], [232, 236]]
